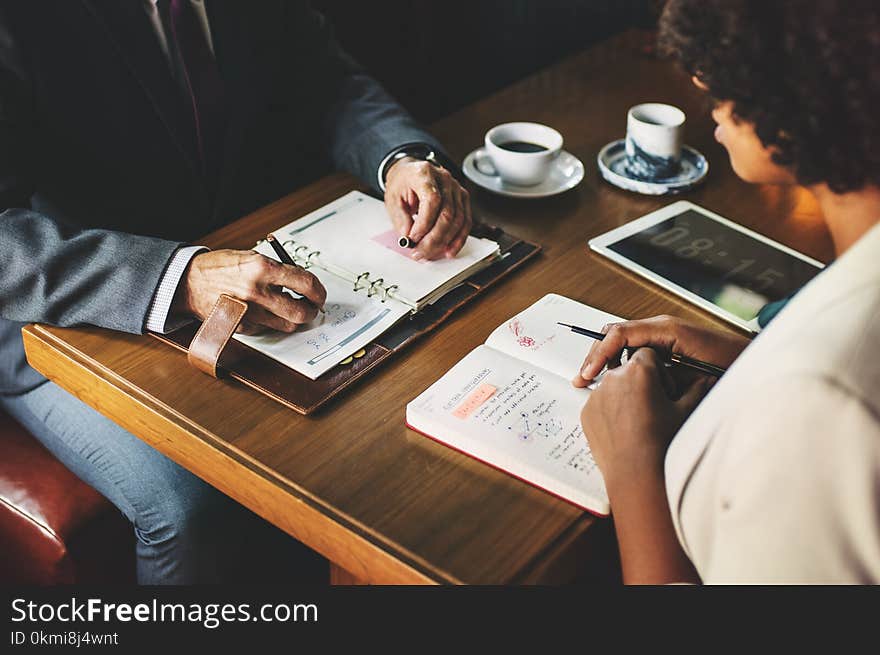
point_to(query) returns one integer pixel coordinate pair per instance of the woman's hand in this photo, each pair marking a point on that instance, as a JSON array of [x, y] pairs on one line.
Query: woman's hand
[[665, 334], [631, 417]]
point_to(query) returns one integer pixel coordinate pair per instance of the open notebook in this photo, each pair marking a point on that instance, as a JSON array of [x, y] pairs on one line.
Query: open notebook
[[371, 282], [510, 402]]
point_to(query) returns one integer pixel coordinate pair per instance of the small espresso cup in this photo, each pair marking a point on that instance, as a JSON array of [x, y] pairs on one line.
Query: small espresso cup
[[654, 133], [521, 154]]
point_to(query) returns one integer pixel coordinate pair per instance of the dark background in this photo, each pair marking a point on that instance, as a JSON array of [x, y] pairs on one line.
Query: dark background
[[437, 56]]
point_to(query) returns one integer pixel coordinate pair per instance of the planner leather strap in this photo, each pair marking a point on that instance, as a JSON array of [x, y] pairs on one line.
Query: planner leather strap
[[216, 331]]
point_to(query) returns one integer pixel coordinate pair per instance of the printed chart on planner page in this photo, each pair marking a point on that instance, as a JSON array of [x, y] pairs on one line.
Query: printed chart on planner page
[[534, 336], [352, 320]]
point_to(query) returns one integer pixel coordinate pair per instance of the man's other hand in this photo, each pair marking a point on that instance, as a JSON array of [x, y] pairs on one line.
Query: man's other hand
[[249, 276], [428, 205]]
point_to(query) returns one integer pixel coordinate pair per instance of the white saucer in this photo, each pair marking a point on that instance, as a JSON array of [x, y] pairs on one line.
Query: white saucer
[[567, 172], [613, 166]]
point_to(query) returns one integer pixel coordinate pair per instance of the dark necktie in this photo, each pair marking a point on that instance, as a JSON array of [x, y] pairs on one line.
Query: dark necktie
[[202, 82]]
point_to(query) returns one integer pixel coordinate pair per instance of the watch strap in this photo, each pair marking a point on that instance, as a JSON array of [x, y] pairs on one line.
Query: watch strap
[[422, 151]]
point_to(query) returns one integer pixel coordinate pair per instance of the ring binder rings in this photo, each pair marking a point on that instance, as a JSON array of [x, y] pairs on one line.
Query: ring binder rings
[[357, 283], [307, 258]]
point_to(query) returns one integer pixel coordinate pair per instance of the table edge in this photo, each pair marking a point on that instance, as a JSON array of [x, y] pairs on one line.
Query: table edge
[[402, 566]]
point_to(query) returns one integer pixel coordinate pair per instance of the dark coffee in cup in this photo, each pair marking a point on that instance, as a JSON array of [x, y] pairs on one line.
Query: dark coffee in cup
[[522, 146], [521, 153]]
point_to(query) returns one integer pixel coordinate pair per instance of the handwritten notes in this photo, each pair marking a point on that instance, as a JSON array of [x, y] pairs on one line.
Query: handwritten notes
[[524, 412], [511, 403], [517, 417]]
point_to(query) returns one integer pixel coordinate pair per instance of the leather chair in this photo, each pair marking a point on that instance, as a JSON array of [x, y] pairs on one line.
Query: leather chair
[[54, 528]]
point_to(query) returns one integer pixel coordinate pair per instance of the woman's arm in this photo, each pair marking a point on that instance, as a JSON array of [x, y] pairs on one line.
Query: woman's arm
[[649, 548], [629, 421]]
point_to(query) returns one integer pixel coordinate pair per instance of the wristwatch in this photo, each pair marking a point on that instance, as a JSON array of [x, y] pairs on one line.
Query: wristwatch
[[416, 150]]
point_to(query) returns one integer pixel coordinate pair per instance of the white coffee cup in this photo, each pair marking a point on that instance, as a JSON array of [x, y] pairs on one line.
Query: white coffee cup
[[519, 153], [654, 133]]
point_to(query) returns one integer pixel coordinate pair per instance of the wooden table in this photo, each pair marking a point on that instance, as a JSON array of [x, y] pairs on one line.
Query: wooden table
[[382, 503]]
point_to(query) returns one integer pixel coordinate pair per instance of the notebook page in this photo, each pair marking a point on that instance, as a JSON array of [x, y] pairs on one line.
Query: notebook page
[[353, 232], [534, 337], [516, 417], [352, 320]]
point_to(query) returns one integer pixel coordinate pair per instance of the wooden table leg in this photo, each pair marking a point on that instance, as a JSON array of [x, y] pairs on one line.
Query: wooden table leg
[[339, 576]]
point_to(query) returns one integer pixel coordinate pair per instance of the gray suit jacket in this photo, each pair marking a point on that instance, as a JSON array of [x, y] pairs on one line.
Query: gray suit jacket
[[99, 182]]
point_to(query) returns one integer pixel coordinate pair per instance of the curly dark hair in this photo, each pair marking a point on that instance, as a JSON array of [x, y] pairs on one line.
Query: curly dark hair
[[805, 73]]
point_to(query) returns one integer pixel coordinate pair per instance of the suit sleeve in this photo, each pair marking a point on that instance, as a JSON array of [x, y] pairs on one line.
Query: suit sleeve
[[53, 271], [363, 122], [800, 504]]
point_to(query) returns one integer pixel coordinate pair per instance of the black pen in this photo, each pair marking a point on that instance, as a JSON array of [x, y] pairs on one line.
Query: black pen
[[285, 258], [674, 358]]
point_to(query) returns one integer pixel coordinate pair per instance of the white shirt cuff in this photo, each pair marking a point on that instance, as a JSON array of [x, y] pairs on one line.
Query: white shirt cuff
[[157, 316], [379, 174]]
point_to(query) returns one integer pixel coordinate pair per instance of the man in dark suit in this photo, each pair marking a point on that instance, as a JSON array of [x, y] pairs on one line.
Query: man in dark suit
[[127, 129]]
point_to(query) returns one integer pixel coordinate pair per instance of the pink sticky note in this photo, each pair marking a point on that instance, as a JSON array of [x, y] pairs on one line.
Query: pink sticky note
[[476, 398], [389, 240]]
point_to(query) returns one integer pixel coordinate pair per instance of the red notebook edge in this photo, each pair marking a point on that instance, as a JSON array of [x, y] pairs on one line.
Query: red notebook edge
[[506, 472]]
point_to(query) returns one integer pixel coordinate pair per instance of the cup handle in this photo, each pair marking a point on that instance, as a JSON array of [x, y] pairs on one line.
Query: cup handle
[[483, 163]]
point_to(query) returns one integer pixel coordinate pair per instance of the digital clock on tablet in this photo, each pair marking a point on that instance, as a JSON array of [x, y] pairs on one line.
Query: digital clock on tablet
[[711, 261]]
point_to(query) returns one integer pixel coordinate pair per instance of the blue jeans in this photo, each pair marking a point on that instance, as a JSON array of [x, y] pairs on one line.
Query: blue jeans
[[187, 531]]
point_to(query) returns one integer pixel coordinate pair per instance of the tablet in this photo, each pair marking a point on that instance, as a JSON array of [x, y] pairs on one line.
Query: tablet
[[711, 261]]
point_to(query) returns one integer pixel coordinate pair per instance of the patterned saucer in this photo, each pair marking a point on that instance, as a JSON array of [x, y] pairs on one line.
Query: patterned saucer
[[614, 167]]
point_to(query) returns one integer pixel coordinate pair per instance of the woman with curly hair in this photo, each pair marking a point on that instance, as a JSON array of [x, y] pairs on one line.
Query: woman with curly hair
[[775, 476]]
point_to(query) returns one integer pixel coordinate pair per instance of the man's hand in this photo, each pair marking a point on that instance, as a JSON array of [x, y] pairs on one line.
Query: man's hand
[[428, 205], [631, 417], [249, 276], [665, 334]]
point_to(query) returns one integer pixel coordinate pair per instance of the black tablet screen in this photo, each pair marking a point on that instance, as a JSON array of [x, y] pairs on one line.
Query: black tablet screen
[[724, 266]]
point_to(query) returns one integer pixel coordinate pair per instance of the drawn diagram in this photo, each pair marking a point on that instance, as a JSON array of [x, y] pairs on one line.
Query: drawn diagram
[[529, 427]]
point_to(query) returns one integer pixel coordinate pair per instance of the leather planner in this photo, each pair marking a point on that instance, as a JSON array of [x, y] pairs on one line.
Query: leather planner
[[212, 351]]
